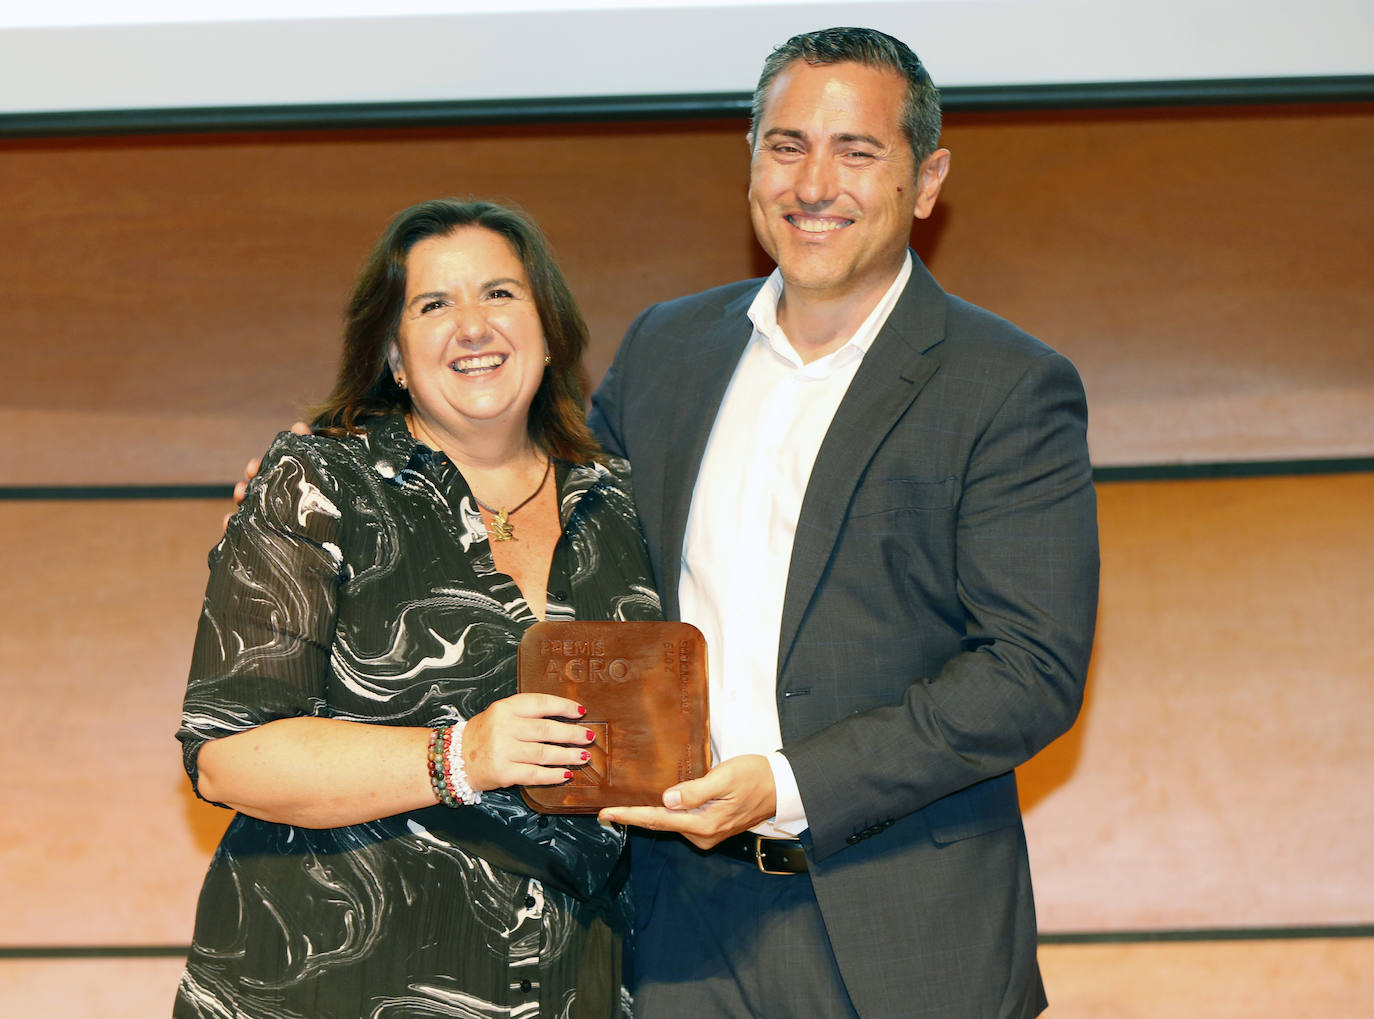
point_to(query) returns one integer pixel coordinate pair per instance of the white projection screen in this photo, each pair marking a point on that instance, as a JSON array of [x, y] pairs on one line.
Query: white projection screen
[[159, 54]]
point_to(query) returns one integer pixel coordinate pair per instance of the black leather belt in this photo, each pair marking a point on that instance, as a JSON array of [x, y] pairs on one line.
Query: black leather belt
[[772, 856]]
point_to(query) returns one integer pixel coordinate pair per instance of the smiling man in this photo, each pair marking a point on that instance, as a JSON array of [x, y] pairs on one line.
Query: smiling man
[[875, 500]]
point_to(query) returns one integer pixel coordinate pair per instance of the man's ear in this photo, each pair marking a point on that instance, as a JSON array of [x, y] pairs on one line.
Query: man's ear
[[930, 177]]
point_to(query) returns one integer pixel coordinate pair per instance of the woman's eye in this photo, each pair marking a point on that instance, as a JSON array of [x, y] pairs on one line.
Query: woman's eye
[[429, 306], [500, 293]]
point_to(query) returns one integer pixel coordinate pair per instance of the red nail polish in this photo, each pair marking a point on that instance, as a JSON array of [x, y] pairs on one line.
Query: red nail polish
[[581, 710], [567, 776], [590, 735], [586, 755]]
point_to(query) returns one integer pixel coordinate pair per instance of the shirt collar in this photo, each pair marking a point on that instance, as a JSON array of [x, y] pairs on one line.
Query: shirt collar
[[763, 313]]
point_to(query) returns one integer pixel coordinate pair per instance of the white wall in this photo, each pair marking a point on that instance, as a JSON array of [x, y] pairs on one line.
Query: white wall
[[151, 53]]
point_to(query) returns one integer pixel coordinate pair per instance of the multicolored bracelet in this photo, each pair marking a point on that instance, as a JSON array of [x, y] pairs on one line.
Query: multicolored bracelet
[[447, 775], [438, 746]]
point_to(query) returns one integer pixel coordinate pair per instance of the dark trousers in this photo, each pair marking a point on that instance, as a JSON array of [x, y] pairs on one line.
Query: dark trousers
[[715, 937]]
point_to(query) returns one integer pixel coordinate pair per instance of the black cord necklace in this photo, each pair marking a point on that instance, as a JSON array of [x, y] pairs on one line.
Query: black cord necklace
[[500, 523]]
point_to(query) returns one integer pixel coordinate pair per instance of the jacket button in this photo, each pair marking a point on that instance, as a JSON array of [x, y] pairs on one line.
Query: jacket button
[[854, 839]]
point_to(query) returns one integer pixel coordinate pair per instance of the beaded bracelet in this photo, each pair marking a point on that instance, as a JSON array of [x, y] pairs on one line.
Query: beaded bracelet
[[455, 772], [436, 756], [447, 775]]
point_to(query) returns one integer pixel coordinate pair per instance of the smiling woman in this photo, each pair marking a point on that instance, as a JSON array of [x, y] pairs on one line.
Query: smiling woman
[[469, 348], [352, 690]]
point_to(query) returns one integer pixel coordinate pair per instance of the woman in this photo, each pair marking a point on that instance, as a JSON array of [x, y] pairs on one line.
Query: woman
[[352, 691]]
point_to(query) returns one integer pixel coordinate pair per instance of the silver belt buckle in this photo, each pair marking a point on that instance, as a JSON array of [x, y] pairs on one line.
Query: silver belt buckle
[[758, 854]]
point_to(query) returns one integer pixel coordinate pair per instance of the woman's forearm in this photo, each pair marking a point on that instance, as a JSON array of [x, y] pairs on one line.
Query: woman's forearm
[[318, 772]]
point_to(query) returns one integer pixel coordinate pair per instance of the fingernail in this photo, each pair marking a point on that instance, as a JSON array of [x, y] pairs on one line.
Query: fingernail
[[672, 799], [586, 755], [590, 735], [567, 776], [581, 709]]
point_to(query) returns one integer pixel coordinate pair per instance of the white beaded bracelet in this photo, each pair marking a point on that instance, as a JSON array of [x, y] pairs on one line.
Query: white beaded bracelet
[[456, 772]]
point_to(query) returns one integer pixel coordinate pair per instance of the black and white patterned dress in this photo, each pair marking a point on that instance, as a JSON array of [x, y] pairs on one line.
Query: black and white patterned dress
[[357, 583]]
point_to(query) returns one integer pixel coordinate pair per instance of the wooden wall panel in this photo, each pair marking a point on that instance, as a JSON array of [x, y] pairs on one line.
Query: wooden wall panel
[[175, 300], [103, 843], [89, 988], [167, 304], [1208, 270], [1214, 779], [1217, 775], [1218, 980]]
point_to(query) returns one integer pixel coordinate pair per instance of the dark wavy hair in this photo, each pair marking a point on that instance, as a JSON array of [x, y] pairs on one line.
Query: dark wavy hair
[[871, 48], [365, 387]]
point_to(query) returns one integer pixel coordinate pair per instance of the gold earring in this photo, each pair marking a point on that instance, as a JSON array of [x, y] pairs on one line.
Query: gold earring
[[548, 359]]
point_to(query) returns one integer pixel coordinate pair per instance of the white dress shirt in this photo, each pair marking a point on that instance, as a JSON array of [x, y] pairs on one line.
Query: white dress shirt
[[738, 544]]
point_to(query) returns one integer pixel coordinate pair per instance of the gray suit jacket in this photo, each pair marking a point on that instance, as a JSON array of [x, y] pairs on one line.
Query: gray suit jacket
[[936, 628]]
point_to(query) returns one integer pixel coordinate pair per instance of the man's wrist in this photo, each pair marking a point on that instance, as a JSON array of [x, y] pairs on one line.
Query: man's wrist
[[790, 816]]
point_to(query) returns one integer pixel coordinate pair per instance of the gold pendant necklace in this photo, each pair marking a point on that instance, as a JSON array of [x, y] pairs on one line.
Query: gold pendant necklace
[[500, 519]]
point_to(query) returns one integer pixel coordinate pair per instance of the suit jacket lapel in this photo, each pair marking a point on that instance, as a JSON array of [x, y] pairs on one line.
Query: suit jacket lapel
[[891, 375], [703, 377]]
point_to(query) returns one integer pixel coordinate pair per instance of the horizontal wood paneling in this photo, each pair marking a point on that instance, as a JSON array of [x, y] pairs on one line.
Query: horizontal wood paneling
[[175, 300], [89, 988], [1227, 980], [167, 304], [1216, 777], [97, 617], [1213, 780]]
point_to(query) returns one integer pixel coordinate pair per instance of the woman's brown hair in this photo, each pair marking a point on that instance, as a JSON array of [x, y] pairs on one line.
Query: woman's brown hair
[[365, 387]]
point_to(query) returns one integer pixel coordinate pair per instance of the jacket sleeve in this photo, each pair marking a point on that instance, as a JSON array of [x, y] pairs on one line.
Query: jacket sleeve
[[1024, 601]]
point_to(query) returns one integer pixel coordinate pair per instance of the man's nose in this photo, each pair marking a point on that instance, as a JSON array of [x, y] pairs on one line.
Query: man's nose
[[816, 179]]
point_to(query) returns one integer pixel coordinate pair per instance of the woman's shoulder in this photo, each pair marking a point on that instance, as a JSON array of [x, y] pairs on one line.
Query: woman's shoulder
[[605, 471], [382, 445], [324, 455], [616, 466]]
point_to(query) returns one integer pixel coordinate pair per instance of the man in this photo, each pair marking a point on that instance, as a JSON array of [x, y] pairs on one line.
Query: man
[[875, 500]]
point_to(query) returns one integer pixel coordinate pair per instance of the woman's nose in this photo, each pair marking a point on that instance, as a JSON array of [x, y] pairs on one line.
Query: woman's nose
[[471, 323]]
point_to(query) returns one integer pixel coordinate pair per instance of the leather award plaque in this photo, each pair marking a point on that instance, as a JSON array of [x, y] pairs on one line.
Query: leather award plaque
[[644, 687]]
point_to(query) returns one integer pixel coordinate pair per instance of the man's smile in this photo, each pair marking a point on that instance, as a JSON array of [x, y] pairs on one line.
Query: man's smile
[[817, 224]]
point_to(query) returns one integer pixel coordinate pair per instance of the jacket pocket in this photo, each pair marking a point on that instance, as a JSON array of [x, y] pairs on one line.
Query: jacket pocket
[[896, 494], [988, 806]]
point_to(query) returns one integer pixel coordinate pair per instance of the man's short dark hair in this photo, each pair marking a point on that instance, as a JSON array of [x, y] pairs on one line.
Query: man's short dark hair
[[871, 48]]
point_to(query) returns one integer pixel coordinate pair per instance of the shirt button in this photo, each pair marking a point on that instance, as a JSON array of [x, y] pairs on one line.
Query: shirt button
[[529, 901], [561, 595], [525, 986]]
